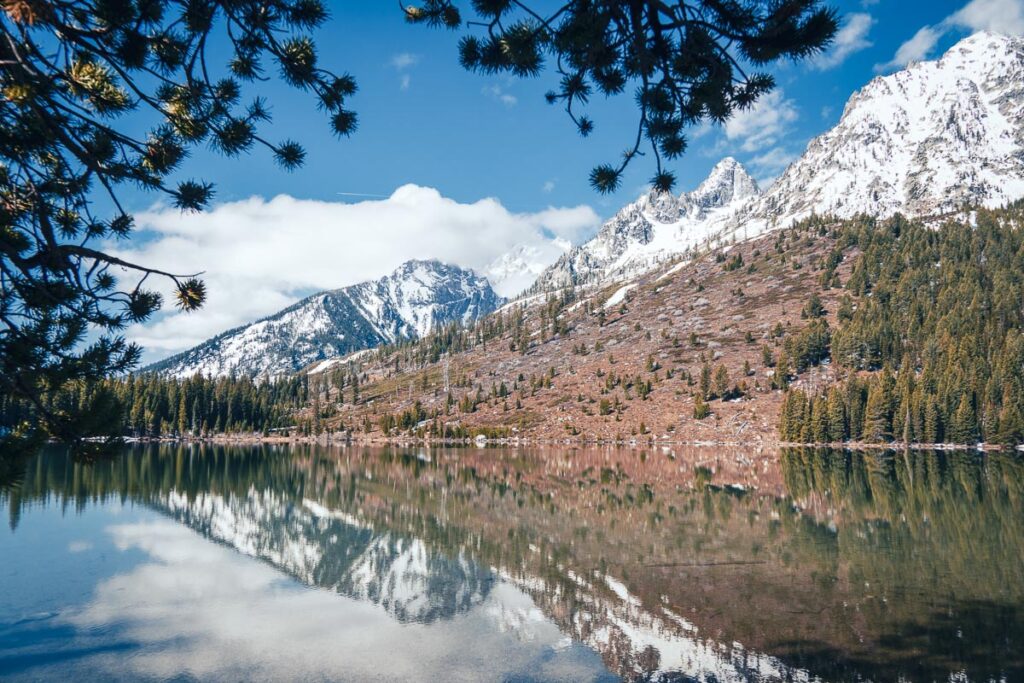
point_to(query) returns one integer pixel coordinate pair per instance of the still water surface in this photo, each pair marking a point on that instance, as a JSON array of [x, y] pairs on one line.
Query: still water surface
[[354, 564]]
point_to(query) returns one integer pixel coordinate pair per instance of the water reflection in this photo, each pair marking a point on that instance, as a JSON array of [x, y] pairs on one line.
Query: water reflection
[[690, 564]]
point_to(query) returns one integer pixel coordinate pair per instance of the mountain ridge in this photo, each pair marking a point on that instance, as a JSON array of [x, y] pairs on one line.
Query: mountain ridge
[[405, 304], [657, 226], [888, 153]]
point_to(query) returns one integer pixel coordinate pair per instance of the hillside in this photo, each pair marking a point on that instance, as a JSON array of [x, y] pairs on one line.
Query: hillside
[[855, 330], [612, 363]]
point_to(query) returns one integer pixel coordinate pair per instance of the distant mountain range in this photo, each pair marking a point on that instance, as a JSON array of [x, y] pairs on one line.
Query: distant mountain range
[[924, 141], [408, 303]]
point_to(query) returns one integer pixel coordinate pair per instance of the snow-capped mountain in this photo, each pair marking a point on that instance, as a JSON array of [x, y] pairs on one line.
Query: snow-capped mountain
[[406, 304], [514, 271], [923, 141], [657, 226]]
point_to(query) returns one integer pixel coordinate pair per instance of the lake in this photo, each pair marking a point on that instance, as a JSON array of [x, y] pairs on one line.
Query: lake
[[208, 562]]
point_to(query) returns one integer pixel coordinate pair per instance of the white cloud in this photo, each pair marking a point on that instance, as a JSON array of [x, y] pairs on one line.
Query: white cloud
[[496, 92], [259, 255], [761, 125], [767, 166], [1000, 16], [549, 186], [852, 37], [913, 50], [404, 60], [1003, 16], [704, 127]]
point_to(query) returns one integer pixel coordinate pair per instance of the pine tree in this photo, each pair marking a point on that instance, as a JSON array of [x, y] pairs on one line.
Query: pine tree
[[601, 45], [963, 428], [780, 380], [701, 409], [877, 417], [1011, 423], [932, 423], [721, 383], [819, 423], [837, 427], [182, 415], [705, 381]]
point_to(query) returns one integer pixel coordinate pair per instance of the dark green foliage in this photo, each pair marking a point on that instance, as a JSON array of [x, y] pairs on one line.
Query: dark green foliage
[[151, 406], [813, 308], [810, 346], [935, 315], [679, 58], [79, 78]]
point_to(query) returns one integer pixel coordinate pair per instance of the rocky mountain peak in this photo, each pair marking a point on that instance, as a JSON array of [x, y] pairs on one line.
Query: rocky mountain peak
[[925, 140], [727, 182]]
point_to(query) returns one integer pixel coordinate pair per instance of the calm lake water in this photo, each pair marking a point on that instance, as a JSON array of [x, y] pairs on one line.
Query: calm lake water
[[408, 564]]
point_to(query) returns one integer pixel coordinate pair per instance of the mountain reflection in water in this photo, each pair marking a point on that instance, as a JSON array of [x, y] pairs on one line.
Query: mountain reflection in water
[[684, 564]]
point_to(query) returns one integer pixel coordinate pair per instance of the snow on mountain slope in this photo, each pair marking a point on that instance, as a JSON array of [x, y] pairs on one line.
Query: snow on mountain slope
[[514, 271], [922, 141], [408, 303], [657, 226]]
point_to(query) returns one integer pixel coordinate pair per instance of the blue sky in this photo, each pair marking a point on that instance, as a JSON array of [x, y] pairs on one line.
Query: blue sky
[[425, 120], [466, 168]]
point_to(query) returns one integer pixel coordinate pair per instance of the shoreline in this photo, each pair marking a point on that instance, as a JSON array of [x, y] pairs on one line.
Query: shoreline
[[575, 442]]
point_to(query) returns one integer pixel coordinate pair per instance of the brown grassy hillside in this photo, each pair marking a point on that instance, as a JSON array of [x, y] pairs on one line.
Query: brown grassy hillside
[[590, 355]]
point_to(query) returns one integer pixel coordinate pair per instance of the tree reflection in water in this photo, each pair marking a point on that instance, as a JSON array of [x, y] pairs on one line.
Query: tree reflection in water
[[749, 566]]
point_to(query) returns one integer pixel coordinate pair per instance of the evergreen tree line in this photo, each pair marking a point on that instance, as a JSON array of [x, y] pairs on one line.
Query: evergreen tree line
[[154, 406], [930, 335]]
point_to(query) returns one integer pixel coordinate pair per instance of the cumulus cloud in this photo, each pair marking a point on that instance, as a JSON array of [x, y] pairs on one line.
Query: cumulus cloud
[[1001, 16], [762, 125], [852, 37], [260, 255]]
